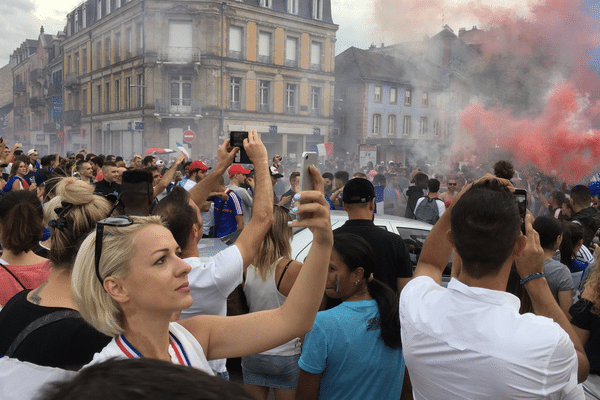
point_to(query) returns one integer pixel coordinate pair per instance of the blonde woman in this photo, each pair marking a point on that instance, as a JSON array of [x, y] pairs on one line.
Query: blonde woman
[[129, 280], [68, 342], [268, 283]]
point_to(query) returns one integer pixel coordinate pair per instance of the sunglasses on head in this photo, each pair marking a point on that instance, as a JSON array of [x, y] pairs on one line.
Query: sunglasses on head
[[119, 220]]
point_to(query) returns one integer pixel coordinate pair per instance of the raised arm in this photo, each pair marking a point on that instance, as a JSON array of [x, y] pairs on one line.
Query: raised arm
[[168, 177], [6, 160], [252, 333], [531, 261]]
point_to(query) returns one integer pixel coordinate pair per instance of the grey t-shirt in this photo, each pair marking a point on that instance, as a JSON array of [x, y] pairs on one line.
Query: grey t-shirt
[[558, 277]]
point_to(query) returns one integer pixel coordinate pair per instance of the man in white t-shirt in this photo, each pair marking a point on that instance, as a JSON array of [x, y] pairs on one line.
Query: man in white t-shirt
[[469, 341], [212, 281], [197, 172]]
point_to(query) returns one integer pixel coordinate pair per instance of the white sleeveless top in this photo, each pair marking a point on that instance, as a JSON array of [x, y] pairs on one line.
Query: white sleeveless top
[[263, 295]]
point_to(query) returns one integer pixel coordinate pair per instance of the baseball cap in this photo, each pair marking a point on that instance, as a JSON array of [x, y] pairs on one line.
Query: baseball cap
[[31, 151], [275, 172], [160, 162], [198, 165], [358, 190], [238, 169]]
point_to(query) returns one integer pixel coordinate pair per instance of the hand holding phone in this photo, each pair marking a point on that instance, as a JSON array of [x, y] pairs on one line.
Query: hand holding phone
[[308, 158], [236, 139]]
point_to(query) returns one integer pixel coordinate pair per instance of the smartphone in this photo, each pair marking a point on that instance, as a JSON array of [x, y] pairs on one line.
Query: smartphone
[[521, 197], [236, 139], [308, 158]]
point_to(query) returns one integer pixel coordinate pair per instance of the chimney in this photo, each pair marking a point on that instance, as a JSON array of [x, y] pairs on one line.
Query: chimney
[[462, 31]]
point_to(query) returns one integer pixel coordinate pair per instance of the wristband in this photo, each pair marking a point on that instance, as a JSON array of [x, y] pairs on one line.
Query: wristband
[[531, 277]]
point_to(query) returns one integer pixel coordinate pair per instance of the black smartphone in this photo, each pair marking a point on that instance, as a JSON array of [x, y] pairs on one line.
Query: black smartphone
[[521, 197], [236, 139]]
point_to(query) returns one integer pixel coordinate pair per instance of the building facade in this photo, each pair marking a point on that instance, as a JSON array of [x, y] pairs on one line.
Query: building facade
[[140, 73]]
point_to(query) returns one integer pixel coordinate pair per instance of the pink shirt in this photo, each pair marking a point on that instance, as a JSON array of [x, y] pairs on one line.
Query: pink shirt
[[31, 276]]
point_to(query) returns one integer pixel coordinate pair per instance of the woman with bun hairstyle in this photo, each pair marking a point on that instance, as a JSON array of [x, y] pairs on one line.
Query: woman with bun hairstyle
[[67, 342], [354, 350], [21, 227]]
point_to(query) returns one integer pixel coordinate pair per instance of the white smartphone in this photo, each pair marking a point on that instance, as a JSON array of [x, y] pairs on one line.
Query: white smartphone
[[308, 158]]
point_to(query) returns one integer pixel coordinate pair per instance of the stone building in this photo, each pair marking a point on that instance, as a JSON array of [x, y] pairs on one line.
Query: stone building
[[142, 72]]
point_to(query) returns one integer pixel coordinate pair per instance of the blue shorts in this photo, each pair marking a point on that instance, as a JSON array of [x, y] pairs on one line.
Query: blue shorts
[[278, 372]]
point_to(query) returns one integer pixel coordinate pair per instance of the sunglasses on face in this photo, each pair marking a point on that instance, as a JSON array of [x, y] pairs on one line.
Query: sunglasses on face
[[451, 184], [119, 220]]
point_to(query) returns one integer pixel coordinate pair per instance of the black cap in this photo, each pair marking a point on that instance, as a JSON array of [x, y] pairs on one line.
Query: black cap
[[358, 190]]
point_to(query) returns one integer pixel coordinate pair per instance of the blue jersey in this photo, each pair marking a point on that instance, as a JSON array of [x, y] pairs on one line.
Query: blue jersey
[[227, 223]]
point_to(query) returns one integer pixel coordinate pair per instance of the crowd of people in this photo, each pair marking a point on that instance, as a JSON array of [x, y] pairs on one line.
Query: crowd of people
[[103, 288]]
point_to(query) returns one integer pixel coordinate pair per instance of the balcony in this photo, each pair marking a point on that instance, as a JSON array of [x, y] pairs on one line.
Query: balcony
[[19, 87], [178, 55], [51, 127], [36, 102], [54, 89], [72, 118], [177, 107], [72, 81], [37, 76]]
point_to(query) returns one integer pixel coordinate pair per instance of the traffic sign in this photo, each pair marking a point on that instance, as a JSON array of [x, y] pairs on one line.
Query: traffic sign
[[189, 136]]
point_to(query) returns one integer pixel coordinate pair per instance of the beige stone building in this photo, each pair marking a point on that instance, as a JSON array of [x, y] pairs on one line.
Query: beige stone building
[[142, 72]]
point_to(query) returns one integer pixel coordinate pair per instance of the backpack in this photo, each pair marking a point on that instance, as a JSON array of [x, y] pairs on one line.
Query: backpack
[[427, 211]]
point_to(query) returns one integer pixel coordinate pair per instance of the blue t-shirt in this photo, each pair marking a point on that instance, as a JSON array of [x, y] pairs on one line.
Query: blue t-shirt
[[346, 348], [231, 208]]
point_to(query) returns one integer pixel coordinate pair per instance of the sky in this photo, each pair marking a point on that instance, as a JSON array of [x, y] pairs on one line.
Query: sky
[[361, 22]]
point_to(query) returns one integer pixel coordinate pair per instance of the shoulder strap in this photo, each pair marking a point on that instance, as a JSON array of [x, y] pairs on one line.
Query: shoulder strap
[[38, 323], [219, 216], [13, 275], [283, 273]]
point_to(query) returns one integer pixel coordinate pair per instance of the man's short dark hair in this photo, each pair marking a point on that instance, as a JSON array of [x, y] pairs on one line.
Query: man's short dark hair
[[176, 211], [485, 224], [504, 169], [99, 161], [79, 165], [433, 185], [18, 153], [148, 160], [549, 228], [46, 161], [379, 180], [327, 175], [342, 176], [143, 378], [421, 178], [581, 196], [293, 176]]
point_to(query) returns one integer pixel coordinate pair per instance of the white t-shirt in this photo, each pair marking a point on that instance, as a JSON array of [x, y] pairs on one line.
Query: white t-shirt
[[211, 282], [21, 380], [185, 347], [471, 343], [207, 216], [189, 184]]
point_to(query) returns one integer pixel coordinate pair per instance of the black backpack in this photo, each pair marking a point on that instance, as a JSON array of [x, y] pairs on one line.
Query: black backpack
[[427, 211]]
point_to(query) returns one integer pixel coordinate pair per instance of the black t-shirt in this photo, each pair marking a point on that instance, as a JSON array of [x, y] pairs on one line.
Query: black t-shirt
[[392, 260], [104, 188], [69, 343], [584, 318]]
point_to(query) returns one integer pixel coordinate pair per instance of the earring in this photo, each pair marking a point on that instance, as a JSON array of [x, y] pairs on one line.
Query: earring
[[356, 283]]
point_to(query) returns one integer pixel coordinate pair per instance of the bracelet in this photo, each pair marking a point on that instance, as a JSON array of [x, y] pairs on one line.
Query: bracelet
[[531, 277]]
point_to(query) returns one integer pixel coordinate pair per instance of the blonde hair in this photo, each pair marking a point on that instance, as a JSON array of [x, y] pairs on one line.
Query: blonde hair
[[81, 218], [96, 306], [591, 288], [276, 243]]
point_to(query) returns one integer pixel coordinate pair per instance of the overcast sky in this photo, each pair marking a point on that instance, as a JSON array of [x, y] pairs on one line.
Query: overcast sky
[[358, 25]]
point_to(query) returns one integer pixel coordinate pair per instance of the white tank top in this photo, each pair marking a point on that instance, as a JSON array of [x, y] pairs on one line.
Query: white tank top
[[263, 295]]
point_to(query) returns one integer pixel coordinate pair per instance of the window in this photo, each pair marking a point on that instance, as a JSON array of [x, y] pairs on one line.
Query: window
[[292, 6], [376, 124], [264, 47], [423, 126], [84, 61], [127, 93], [181, 90], [139, 90], [263, 96], [117, 95], [377, 94], [84, 102], [99, 98], [315, 56], [99, 9], [391, 127], [128, 43], [139, 37], [69, 64], [315, 100], [84, 17], [291, 52], [425, 100], [235, 42], [107, 97], [108, 6], [266, 3], [290, 98], [408, 97], [118, 3], [76, 66], [234, 93], [117, 44], [106, 50], [76, 21], [98, 55], [406, 125], [436, 127], [393, 95], [317, 9]]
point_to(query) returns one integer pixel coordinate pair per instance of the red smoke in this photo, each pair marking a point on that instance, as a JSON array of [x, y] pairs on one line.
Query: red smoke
[[559, 139]]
